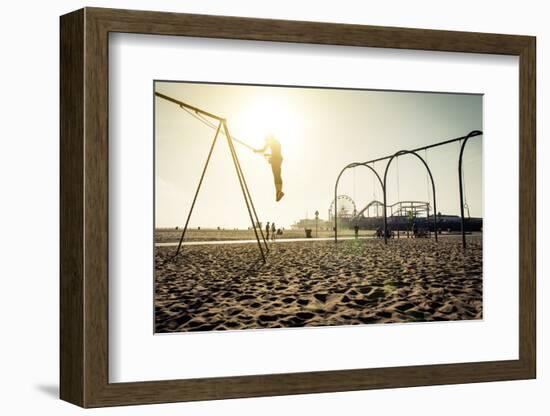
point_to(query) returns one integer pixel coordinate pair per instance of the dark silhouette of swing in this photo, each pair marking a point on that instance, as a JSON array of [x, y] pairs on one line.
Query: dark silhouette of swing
[[221, 128]]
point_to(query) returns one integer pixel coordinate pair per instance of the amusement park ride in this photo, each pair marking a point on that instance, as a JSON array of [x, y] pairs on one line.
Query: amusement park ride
[[402, 215], [348, 210]]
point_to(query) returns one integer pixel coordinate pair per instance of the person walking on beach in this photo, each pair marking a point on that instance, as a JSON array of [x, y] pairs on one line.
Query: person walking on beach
[[267, 228], [273, 230], [275, 158]]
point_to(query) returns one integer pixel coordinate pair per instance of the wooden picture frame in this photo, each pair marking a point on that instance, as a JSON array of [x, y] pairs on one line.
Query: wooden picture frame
[[84, 207]]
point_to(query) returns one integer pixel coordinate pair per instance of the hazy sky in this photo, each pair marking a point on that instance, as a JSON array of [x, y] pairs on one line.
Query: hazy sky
[[320, 130]]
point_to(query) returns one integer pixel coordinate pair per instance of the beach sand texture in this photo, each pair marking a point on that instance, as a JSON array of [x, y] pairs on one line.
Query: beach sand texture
[[317, 283]]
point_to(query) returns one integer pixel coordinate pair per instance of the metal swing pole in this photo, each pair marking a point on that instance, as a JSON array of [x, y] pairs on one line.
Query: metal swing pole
[[188, 106], [198, 188], [461, 184], [240, 171], [242, 182], [198, 111]]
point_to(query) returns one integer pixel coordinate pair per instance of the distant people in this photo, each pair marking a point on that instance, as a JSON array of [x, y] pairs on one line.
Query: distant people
[[275, 158], [356, 230], [267, 228], [273, 229]]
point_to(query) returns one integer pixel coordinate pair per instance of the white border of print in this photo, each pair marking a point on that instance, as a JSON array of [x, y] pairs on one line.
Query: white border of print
[[135, 354]]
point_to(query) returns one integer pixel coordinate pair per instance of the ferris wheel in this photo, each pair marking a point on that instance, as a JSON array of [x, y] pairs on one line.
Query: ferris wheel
[[346, 207]]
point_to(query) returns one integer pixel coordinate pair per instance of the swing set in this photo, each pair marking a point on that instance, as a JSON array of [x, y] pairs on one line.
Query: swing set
[[219, 124], [370, 164]]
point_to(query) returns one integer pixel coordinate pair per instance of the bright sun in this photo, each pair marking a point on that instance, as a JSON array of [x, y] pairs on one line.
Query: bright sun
[[268, 115]]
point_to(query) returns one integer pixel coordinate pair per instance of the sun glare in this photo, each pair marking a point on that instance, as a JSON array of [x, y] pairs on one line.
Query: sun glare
[[268, 115]]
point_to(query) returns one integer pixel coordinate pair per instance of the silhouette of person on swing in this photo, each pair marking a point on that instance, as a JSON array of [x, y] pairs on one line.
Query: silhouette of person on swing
[[275, 158]]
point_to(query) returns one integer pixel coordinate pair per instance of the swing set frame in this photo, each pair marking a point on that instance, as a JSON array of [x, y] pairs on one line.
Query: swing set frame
[[222, 128], [383, 182]]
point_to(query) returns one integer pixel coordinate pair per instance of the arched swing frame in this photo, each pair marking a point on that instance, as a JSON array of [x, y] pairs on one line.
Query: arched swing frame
[[473, 133], [350, 166], [384, 188], [463, 139]]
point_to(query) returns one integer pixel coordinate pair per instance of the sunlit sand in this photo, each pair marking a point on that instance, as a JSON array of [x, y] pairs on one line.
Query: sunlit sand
[[318, 283]]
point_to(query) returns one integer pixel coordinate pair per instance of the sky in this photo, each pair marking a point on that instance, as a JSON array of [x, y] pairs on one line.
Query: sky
[[320, 130]]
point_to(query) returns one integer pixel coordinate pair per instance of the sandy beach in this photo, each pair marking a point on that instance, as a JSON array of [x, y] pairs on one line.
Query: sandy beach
[[171, 235], [317, 283]]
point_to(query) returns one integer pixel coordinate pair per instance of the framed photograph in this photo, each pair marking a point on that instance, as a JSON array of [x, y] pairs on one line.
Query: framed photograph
[[255, 207]]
